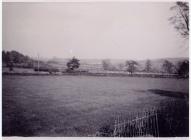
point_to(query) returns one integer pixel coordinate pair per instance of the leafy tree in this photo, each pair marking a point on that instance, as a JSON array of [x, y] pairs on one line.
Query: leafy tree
[[131, 66], [167, 66], [181, 19], [16, 59], [148, 66], [10, 65], [8, 60], [73, 64], [183, 68], [4, 56]]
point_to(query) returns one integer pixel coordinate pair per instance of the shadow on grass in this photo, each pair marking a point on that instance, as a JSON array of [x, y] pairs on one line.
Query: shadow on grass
[[175, 94], [173, 119]]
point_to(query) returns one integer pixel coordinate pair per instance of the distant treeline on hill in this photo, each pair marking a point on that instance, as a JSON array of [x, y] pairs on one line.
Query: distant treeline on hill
[[16, 59], [169, 66], [13, 59]]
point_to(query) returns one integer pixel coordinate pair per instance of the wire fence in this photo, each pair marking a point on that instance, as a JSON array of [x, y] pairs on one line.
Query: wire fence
[[169, 119], [144, 124]]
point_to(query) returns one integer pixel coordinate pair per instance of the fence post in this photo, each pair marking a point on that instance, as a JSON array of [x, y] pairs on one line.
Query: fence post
[[115, 129], [157, 124]]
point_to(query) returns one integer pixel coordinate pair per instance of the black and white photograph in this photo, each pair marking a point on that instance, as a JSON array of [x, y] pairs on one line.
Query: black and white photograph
[[95, 69]]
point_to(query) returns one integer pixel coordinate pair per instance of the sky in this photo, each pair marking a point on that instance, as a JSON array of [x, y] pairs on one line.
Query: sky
[[115, 30]]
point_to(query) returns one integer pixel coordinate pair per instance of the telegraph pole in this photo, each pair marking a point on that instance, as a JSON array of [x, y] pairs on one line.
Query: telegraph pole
[[38, 63]]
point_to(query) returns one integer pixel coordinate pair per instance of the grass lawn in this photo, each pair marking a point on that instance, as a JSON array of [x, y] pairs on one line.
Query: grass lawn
[[79, 105]]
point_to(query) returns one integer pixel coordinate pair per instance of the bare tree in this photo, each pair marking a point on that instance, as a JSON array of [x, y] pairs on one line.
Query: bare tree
[[181, 19], [131, 66], [148, 66], [106, 64]]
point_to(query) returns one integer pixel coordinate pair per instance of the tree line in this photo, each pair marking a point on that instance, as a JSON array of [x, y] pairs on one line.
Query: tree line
[[131, 66], [15, 59]]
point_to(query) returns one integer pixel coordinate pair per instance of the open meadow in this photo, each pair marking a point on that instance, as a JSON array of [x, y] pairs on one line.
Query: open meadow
[[80, 105]]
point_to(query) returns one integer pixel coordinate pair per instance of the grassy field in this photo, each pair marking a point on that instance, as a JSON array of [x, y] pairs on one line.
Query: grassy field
[[79, 105]]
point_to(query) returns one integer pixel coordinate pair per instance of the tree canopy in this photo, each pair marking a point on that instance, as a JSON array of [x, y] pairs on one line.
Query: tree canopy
[[14, 58], [73, 64], [131, 66], [183, 68]]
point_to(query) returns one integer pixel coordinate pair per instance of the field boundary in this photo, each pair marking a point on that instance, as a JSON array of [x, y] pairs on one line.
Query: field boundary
[[94, 74]]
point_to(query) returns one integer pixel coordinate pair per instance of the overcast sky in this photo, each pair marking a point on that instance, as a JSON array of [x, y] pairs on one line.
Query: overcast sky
[[127, 30]]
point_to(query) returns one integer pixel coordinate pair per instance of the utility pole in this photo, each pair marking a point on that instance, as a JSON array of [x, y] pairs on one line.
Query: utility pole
[[38, 63]]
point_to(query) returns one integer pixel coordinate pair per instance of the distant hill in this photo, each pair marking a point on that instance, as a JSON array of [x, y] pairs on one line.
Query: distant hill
[[21, 60], [97, 63]]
